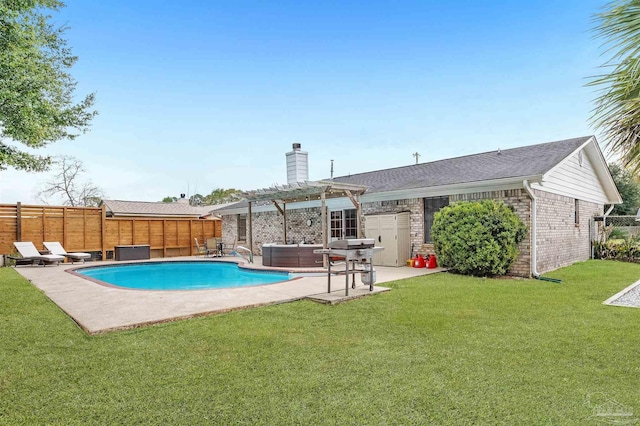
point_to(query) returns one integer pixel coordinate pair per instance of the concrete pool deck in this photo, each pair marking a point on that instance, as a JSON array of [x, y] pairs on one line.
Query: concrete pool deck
[[97, 308]]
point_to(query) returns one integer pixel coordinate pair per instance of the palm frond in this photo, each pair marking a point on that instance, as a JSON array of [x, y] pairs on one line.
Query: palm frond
[[617, 105]]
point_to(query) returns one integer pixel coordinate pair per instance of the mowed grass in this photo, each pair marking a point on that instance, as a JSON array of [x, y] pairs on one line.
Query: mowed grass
[[442, 349]]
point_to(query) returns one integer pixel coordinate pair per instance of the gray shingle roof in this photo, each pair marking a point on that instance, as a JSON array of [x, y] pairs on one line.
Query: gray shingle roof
[[509, 163], [120, 208], [522, 162]]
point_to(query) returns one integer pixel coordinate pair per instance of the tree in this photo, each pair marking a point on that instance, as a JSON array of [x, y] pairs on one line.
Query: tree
[[617, 107], [67, 184], [36, 89], [219, 196], [629, 189], [197, 200]]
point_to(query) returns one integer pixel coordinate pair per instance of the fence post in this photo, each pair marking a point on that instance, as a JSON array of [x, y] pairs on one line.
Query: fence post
[[18, 221], [164, 238], [84, 228], [44, 224], [103, 223], [64, 227]]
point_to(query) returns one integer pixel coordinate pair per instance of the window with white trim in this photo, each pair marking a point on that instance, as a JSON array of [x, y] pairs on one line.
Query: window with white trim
[[343, 224]]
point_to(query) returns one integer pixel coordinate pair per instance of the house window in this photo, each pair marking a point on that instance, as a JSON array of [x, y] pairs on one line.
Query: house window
[[343, 224], [242, 227], [336, 224], [431, 206], [350, 223], [576, 214]]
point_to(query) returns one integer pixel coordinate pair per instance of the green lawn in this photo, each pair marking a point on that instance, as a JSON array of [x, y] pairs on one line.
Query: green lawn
[[440, 349]]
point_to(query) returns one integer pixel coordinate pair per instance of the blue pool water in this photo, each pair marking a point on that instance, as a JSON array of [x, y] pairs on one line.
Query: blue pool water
[[181, 275]]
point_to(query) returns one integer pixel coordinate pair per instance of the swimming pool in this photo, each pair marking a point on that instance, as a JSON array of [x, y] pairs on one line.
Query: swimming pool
[[180, 275]]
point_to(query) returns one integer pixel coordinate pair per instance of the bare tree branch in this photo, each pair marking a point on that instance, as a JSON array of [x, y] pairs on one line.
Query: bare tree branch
[[66, 183]]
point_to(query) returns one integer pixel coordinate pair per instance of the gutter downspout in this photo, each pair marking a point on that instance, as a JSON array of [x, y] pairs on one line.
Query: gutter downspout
[[604, 217], [534, 216]]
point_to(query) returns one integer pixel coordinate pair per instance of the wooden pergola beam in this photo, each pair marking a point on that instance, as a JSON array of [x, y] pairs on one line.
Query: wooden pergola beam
[[325, 237], [306, 191], [275, 203], [283, 212]]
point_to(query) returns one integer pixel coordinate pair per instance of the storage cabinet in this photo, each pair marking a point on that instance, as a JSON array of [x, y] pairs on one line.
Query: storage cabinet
[[134, 252], [391, 231]]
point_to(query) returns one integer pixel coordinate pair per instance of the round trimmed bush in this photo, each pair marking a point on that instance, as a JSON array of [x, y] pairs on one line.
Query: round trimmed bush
[[477, 238]]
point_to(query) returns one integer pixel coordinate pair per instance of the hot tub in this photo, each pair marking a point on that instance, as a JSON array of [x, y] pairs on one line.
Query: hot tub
[[291, 255]]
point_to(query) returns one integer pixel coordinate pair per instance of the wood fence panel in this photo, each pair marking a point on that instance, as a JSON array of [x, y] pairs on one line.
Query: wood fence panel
[[214, 228], [54, 226], [8, 227], [93, 232], [197, 231], [156, 233], [125, 232], [74, 223], [141, 232], [86, 229], [32, 225], [171, 235], [184, 234], [111, 234]]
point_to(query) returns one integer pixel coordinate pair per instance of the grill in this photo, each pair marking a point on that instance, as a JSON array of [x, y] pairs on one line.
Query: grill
[[352, 244], [358, 258]]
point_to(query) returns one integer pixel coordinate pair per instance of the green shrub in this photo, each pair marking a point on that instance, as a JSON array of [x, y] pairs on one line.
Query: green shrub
[[477, 238], [617, 234], [626, 250]]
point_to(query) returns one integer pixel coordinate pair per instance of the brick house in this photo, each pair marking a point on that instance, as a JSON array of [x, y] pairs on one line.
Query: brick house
[[555, 188]]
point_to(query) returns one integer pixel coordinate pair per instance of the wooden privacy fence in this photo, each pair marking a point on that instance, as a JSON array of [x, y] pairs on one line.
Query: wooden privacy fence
[[88, 229]]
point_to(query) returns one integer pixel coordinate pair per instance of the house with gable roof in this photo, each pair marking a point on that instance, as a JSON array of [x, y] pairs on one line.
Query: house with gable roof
[[150, 209], [556, 188]]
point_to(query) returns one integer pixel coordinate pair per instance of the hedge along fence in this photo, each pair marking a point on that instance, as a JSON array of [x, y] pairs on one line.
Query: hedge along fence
[[88, 229], [619, 239]]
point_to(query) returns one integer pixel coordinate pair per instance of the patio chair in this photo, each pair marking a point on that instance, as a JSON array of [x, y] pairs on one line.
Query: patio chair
[[56, 248], [216, 245], [231, 248], [29, 252], [204, 251]]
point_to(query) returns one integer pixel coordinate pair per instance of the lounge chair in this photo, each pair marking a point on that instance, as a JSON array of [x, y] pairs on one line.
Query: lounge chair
[[29, 252], [56, 248]]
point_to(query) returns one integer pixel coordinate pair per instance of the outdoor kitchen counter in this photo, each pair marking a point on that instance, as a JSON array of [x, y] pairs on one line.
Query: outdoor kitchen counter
[[291, 255]]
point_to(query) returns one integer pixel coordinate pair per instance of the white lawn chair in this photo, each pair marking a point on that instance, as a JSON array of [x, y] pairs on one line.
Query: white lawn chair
[[29, 252], [56, 248]]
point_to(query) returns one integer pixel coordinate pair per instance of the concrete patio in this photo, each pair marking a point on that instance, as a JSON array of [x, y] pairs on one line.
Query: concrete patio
[[99, 308]]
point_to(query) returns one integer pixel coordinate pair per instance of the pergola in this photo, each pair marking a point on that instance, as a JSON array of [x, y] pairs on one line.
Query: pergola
[[321, 190]]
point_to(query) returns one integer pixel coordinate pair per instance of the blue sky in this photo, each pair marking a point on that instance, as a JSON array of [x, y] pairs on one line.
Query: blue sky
[[197, 95]]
